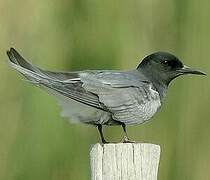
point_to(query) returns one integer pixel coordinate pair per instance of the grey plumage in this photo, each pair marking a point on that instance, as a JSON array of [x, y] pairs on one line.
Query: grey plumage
[[104, 97]]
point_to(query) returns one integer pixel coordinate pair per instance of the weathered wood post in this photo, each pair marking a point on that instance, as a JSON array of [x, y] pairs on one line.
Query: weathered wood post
[[124, 161]]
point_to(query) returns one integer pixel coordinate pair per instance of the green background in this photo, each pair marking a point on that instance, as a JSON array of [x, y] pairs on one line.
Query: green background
[[36, 143]]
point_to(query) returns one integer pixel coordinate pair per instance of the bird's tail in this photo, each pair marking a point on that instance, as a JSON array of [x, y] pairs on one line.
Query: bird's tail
[[33, 74]]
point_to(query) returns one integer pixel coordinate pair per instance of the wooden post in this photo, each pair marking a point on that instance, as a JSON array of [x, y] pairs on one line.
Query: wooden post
[[124, 161]]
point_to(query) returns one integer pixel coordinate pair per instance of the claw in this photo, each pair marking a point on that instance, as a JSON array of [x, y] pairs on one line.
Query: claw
[[127, 140]]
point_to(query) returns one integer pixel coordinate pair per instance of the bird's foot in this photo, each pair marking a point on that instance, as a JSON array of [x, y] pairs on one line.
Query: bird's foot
[[127, 140]]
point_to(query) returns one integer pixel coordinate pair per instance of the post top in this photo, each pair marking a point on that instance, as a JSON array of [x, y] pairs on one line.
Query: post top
[[146, 145], [128, 161]]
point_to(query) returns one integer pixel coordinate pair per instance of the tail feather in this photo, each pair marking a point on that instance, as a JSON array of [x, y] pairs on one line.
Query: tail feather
[[32, 73], [17, 59]]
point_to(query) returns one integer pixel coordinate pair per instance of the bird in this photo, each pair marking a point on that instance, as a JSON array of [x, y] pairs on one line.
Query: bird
[[108, 97]]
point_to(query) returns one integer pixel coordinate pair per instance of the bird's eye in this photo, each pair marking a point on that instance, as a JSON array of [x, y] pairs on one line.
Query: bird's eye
[[165, 62]]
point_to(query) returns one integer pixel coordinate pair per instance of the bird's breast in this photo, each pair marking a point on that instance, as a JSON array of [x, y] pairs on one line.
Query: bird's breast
[[151, 105]]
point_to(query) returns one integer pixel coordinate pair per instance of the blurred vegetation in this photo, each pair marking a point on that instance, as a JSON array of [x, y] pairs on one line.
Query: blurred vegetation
[[35, 143]]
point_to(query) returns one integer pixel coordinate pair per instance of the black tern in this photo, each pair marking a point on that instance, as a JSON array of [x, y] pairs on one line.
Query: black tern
[[108, 97]]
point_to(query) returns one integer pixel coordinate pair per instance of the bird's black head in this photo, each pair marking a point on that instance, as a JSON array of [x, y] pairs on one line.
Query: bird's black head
[[164, 67]]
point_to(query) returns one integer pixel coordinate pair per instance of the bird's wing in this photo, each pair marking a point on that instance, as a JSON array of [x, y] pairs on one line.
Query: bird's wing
[[67, 84], [124, 94]]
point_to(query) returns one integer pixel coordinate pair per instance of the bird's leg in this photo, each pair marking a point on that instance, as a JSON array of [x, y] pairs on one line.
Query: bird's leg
[[99, 126], [126, 138]]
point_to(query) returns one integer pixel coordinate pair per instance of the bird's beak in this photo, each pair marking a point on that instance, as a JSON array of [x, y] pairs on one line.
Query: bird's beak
[[188, 70]]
